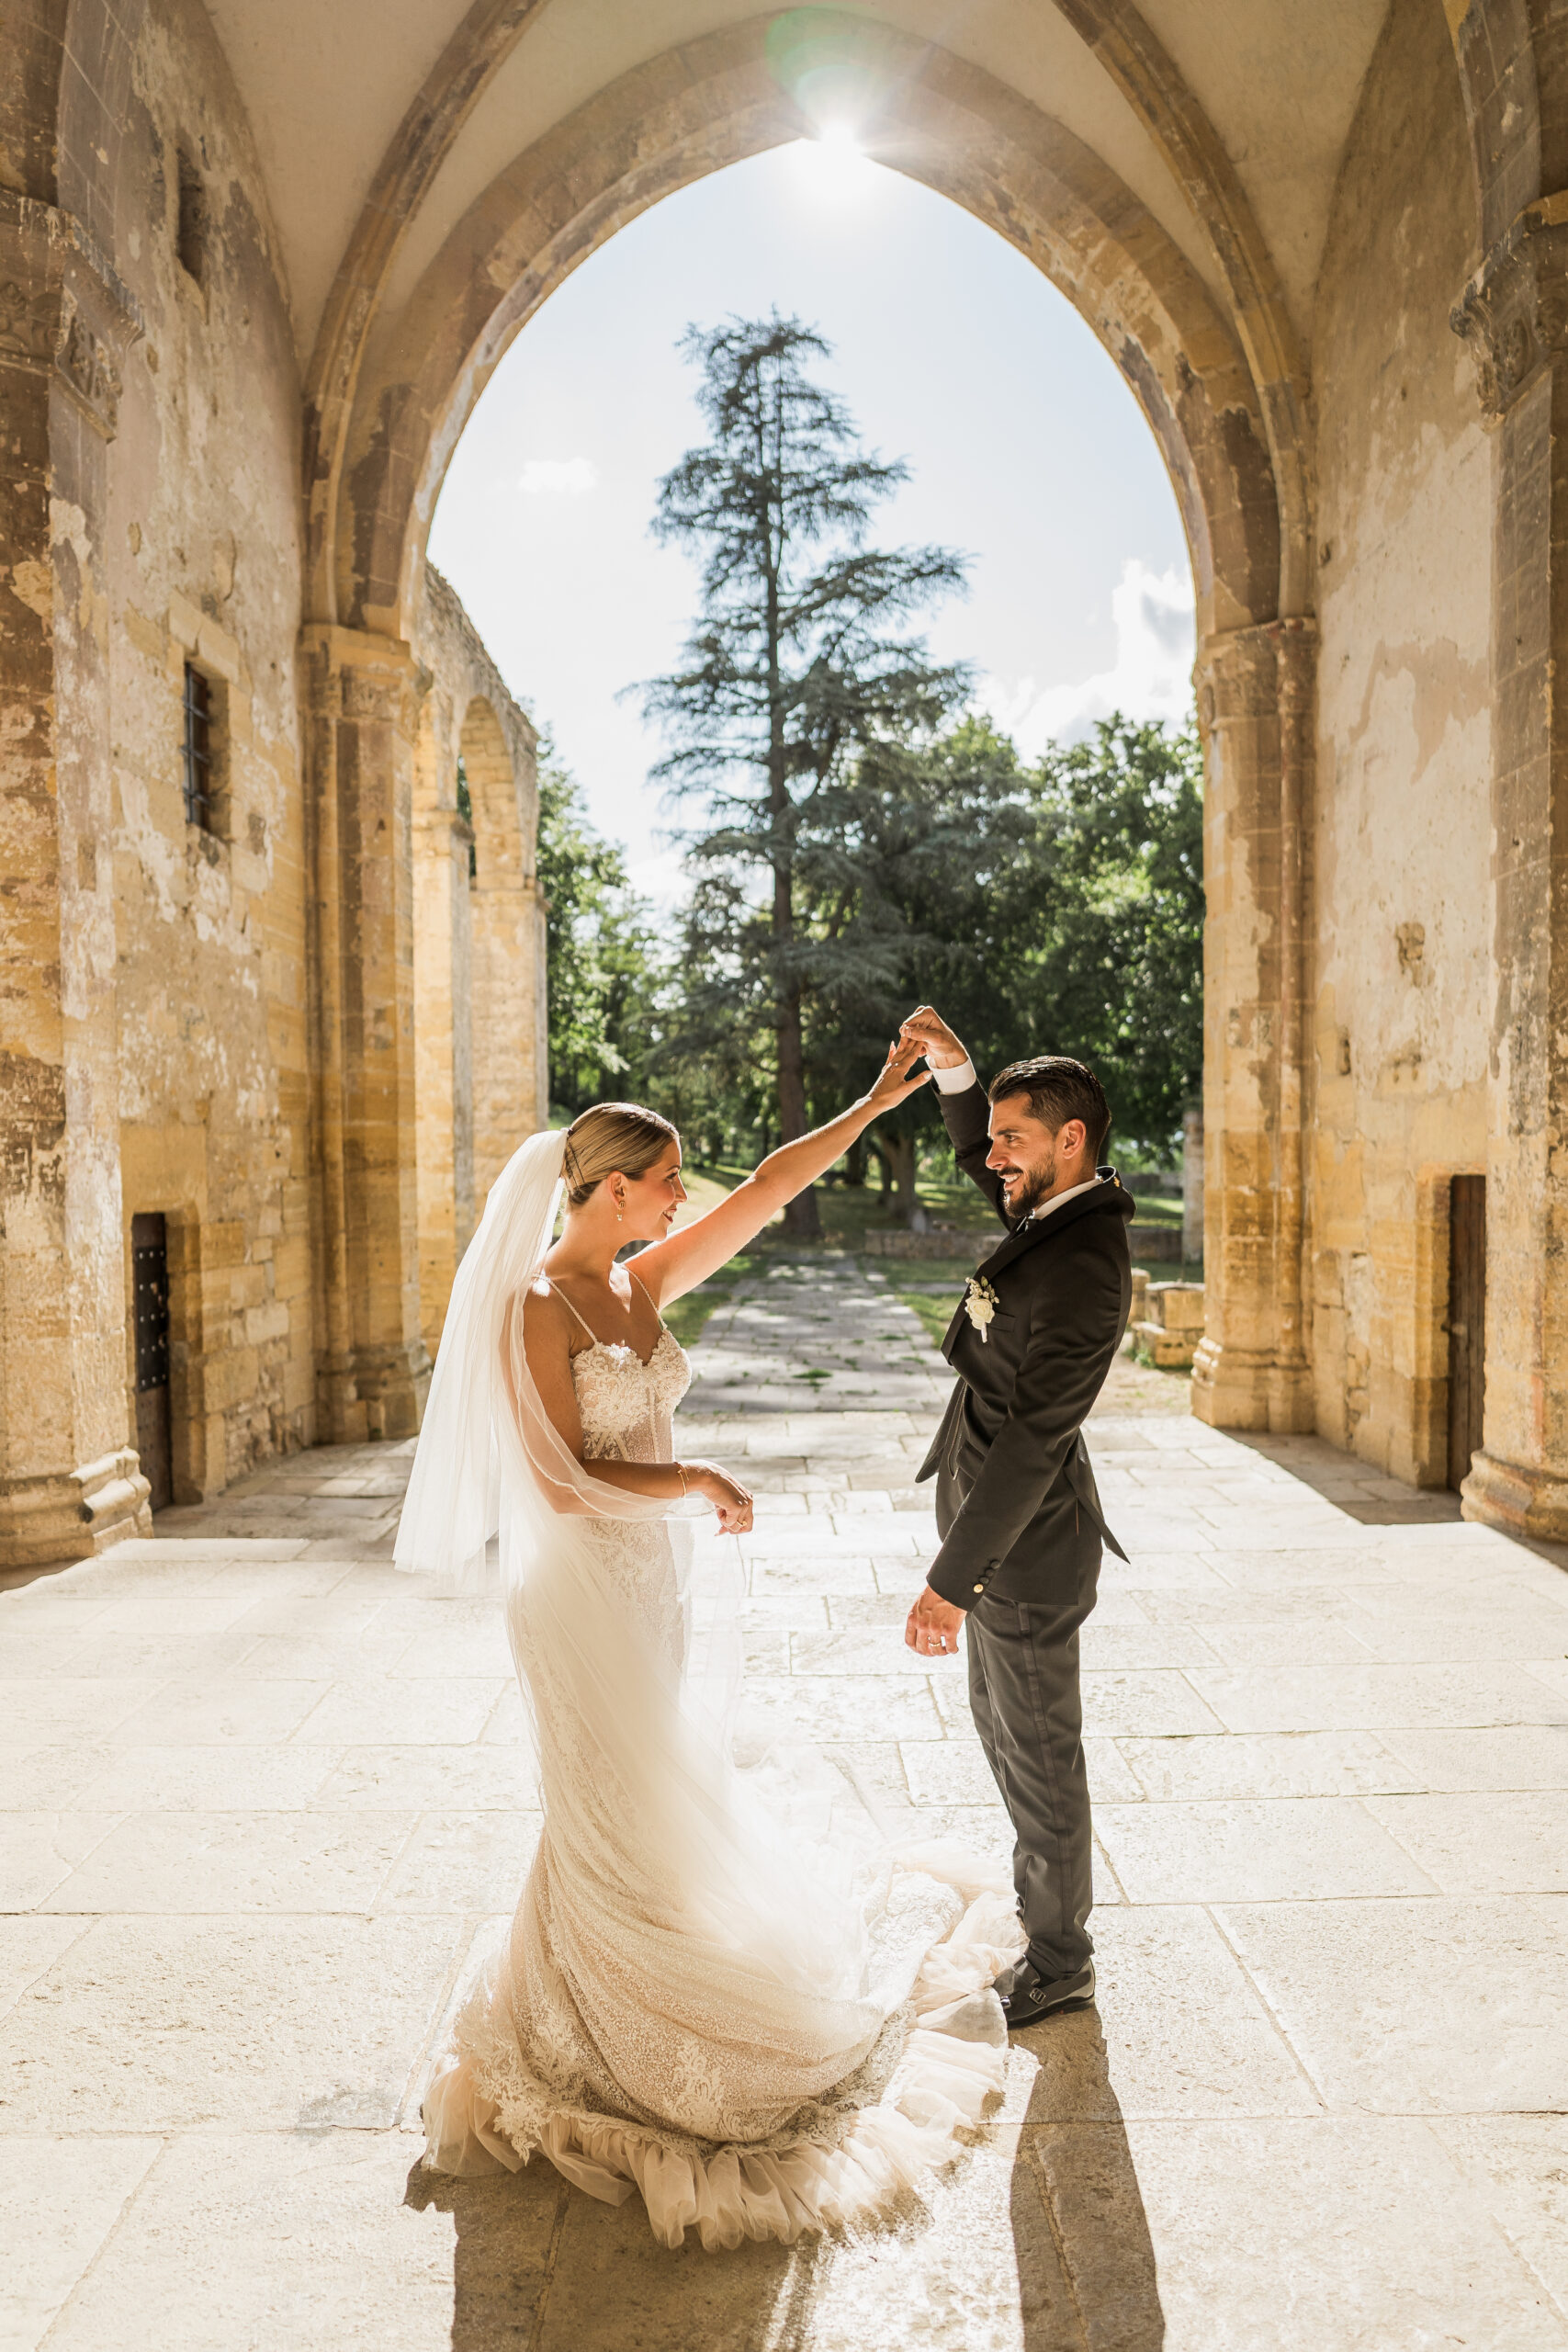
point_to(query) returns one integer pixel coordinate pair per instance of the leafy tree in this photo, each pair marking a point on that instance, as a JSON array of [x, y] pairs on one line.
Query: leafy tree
[[799, 662], [1050, 910], [605, 975], [1123, 976], [914, 849]]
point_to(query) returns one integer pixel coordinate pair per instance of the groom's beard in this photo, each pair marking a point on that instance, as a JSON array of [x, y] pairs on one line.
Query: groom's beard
[[1024, 1197]]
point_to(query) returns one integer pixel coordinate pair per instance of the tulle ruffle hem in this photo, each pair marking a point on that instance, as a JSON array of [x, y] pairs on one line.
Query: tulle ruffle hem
[[852, 2164]]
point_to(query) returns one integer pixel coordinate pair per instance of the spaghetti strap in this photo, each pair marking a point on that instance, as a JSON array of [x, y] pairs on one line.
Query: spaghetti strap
[[649, 1295], [558, 1293]]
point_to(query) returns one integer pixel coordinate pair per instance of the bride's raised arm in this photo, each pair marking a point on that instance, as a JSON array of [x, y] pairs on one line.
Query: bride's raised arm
[[672, 1268]]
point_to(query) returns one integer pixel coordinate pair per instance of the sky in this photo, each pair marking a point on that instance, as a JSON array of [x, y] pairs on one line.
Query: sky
[[1028, 453]]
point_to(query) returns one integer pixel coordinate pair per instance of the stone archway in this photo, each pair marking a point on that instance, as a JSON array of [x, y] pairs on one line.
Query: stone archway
[[946, 124], [477, 991], [510, 1071]]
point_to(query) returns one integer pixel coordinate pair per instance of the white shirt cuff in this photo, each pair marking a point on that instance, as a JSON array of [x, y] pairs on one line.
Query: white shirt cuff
[[954, 1080]]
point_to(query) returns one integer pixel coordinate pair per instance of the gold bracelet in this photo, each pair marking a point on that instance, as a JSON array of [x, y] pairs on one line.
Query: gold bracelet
[[680, 1474]]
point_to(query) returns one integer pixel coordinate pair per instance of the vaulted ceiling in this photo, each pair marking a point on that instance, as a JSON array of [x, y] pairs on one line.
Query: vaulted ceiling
[[336, 93]]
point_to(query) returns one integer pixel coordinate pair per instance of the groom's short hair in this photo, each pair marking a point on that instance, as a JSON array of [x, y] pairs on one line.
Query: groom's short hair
[[1058, 1089]]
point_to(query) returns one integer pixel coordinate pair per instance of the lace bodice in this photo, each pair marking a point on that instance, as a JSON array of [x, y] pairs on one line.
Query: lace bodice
[[628, 1405]]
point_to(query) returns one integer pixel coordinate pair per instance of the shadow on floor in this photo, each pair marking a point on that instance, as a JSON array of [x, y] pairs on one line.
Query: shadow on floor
[[539, 2267], [1370, 1497], [1086, 2261], [1367, 1495]]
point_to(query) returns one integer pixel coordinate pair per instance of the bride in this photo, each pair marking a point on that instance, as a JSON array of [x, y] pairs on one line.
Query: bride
[[743, 2006]]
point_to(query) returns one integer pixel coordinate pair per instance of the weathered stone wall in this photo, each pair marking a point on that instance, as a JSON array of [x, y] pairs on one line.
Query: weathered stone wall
[[478, 928], [203, 566], [1402, 842], [209, 1007]]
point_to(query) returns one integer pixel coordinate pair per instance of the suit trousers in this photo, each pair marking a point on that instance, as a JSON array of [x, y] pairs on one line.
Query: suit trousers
[[1028, 1709]]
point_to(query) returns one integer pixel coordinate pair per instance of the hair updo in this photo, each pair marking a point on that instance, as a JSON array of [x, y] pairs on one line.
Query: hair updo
[[611, 1136]]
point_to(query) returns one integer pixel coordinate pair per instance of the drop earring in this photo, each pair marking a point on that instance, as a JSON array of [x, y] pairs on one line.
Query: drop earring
[[620, 1209]]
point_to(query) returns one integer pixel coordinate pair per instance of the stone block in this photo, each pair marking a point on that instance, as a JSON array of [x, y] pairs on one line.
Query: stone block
[[295, 2237], [1177, 1306], [268, 1321], [1167, 1350], [282, 2025]]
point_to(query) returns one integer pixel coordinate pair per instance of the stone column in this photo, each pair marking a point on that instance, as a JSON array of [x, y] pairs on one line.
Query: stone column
[[444, 1025], [1192, 1182], [362, 694], [1255, 706], [1514, 314], [70, 1481]]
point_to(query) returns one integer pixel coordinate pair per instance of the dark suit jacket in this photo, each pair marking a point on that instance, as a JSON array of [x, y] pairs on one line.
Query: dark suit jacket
[[1014, 1480]]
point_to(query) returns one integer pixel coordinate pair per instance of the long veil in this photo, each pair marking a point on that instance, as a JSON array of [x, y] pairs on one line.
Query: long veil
[[692, 1989], [489, 1456], [497, 1502]]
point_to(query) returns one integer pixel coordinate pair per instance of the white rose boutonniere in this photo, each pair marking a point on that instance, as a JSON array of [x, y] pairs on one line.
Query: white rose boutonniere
[[980, 1303]]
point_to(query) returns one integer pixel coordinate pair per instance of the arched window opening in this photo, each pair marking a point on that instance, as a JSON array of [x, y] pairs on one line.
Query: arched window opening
[[465, 811], [190, 222]]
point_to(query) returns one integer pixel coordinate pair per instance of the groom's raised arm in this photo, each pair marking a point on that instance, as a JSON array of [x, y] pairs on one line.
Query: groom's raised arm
[[965, 1106], [966, 1113]]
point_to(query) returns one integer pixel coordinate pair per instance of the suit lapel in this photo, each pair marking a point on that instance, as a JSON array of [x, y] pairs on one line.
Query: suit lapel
[[1024, 1237], [1013, 1247]]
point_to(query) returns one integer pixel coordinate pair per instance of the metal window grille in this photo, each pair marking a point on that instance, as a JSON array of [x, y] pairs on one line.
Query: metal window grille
[[150, 1285], [196, 705]]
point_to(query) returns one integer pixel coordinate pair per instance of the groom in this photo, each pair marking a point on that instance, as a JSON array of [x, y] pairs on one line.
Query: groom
[[1017, 1509]]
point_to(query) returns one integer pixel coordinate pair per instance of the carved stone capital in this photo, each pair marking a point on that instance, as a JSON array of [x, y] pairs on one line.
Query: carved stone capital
[[1513, 312], [1249, 673], [360, 674], [62, 307]]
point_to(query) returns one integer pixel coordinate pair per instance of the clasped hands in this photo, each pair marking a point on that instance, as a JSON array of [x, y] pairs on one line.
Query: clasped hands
[[729, 1499]]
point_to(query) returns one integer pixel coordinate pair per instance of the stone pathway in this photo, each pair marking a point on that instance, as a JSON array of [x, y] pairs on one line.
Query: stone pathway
[[264, 1794]]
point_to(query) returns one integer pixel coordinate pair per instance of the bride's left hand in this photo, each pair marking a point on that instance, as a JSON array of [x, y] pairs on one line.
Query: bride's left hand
[[894, 1083], [729, 1499]]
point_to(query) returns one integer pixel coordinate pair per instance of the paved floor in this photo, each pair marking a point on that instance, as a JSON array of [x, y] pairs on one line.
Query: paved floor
[[264, 1794]]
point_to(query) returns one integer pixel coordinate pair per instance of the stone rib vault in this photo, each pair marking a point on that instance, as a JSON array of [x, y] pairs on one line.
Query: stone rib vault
[[264, 1794]]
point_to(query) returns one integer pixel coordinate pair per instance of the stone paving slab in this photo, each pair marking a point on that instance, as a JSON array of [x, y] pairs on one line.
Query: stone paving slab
[[263, 1801]]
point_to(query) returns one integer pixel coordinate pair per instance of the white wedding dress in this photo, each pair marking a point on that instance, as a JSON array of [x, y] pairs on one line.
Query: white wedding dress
[[764, 2031]]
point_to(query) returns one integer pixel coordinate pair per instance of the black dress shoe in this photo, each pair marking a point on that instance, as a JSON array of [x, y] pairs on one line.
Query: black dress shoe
[[1031, 1997]]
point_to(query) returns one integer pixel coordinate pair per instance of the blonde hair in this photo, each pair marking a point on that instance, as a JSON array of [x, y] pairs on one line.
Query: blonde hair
[[612, 1135]]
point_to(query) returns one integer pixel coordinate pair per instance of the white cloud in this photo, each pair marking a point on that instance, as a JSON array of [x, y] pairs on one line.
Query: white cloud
[[1151, 678], [557, 476]]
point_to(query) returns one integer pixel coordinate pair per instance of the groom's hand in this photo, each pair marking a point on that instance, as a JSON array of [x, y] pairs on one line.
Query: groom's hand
[[933, 1626], [941, 1047], [893, 1082]]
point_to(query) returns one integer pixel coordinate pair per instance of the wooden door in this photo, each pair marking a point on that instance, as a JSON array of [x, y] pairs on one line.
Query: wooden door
[[1467, 1321], [150, 1302]]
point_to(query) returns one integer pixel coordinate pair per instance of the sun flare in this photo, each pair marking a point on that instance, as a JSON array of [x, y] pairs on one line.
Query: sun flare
[[834, 164]]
